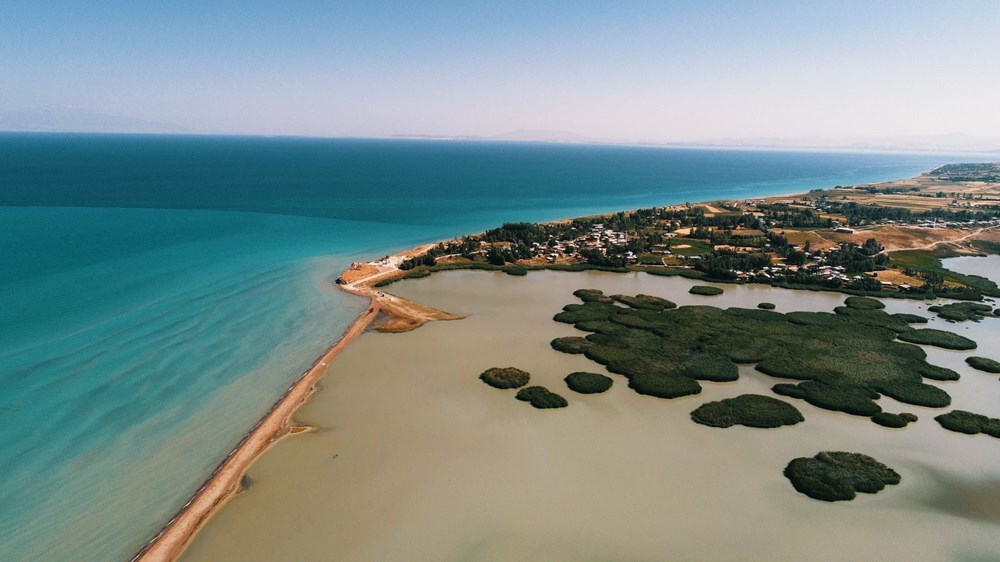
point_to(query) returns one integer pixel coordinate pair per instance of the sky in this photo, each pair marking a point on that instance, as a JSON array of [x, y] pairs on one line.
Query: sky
[[665, 71]]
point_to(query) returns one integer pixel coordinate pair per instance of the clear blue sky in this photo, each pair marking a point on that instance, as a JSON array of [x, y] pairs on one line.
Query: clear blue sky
[[629, 71]]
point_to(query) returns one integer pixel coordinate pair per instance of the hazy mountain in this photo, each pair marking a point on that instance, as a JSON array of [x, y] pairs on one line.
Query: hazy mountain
[[74, 119]]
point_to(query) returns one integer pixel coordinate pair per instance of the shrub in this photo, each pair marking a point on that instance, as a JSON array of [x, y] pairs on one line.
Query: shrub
[[512, 269], [663, 386], [864, 303], [645, 302], [709, 367], [936, 373], [984, 364], [751, 410], [909, 318], [893, 420], [937, 338], [705, 290], [591, 295], [837, 476], [969, 423], [961, 311], [505, 377], [588, 383], [541, 398], [766, 306], [570, 344], [842, 398]]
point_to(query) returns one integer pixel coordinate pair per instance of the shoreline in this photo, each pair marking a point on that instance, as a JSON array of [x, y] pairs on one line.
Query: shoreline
[[224, 482], [403, 315]]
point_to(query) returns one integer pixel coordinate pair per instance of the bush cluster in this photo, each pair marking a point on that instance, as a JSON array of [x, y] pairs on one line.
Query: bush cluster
[[969, 423], [984, 364], [845, 361], [541, 398], [751, 410], [705, 290], [896, 421], [962, 311], [838, 476], [938, 338], [588, 383], [505, 377]]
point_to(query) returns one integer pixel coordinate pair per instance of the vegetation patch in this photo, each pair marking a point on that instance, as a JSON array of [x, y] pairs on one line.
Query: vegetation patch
[[512, 269], [984, 364], [909, 318], [751, 410], [839, 476], [936, 373], [962, 311], [766, 306], [844, 361], [886, 419], [591, 295], [938, 338], [864, 303], [588, 383], [541, 397], [969, 423], [645, 302], [505, 377], [705, 290]]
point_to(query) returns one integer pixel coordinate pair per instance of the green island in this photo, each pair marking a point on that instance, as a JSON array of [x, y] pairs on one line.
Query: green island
[[766, 306], [588, 383], [895, 421], [505, 377], [541, 397], [839, 476], [845, 360], [705, 290], [751, 410], [984, 364], [962, 311], [966, 422]]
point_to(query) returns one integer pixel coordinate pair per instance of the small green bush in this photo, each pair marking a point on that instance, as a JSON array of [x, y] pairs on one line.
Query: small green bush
[[570, 344], [984, 364], [541, 398], [909, 318], [842, 398], [936, 373], [505, 377], [838, 476], [864, 303], [969, 423], [751, 410], [588, 383], [766, 306], [512, 269], [962, 311], [645, 302], [705, 290], [892, 420], [591, 295], [663, 386], [937, 338]]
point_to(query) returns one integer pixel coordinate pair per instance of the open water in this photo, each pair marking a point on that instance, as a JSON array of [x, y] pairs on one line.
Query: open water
[[158, 293]]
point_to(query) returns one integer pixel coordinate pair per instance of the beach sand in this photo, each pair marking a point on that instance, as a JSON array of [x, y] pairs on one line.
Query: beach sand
[[415, 459]]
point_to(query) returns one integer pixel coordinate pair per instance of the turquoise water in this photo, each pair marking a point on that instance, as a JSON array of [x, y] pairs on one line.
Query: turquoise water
[[159, 293]]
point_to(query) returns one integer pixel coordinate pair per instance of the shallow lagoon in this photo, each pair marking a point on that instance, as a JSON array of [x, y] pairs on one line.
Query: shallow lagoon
[[416, 459]]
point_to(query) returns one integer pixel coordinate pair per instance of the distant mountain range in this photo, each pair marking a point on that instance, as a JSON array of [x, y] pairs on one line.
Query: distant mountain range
[[69, 119], [931, 143]]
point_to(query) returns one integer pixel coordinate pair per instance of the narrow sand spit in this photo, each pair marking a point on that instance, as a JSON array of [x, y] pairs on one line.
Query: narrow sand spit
[[404, 315]]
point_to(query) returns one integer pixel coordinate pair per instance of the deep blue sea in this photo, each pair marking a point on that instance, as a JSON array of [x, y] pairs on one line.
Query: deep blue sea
[[158, 293]]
